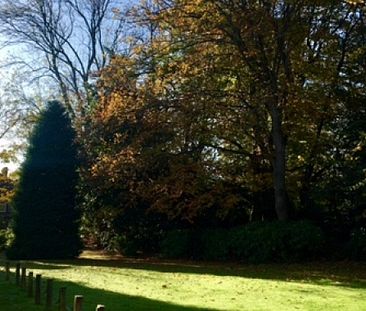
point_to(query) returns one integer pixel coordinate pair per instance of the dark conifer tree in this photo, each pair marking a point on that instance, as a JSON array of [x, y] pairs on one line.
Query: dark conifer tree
[[46, 220]]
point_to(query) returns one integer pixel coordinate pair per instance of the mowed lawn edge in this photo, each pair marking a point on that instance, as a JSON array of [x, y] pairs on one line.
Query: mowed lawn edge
[[153, 284]]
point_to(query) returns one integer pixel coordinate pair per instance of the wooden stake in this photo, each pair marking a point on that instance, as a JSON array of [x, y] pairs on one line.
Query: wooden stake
[[17, 274], [62, 299], [37, 295], [49, 294], [78, 302], [30, 284], [7, 271], [23, 280]]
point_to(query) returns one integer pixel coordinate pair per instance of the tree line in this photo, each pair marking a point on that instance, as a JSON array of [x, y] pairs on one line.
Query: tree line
[[211, 114]]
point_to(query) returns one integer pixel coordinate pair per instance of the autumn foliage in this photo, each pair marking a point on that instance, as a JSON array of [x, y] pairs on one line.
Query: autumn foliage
[[229, 112]]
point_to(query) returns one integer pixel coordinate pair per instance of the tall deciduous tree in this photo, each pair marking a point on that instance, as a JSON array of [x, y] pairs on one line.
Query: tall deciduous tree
[[245, 95], [75, 39], [271, 69], [46, 221]]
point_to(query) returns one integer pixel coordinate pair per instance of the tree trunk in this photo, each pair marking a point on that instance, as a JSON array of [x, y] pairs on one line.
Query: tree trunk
[[309, 170], [304, 192], [279, 164]]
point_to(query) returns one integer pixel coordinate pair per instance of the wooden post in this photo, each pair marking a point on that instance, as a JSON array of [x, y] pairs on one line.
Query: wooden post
[[78, 303], [62, 299], [17, 274], [100, 308], [23, 281], [30, 284], [7, 271], [49, 294], [37, 295]]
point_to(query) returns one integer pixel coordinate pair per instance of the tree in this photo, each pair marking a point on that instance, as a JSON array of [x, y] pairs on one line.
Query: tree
[[75, 38], [19, 111], [46, 220], [268, 70], [6, 193], [62, 45], [230, 104]]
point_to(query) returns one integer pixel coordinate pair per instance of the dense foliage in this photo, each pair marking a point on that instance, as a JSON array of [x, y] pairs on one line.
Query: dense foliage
[[255, 243], [46, 221], [6, 238], [7, 185], [216, 120], [3, 240], [356, 247], [229, 112]]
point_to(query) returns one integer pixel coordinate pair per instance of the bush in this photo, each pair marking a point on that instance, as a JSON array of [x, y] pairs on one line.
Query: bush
[[178, 244], [6, 238], [140, 243], [276, 242], [246, 243], [2, 240], [255, 243], [143, 238], [356, 247], [215, 244]]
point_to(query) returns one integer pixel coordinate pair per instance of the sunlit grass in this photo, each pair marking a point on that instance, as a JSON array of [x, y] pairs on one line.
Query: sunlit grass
[[148, 285]]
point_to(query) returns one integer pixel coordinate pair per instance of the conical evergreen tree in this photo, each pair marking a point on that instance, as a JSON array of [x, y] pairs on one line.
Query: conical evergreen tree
[[46, 221]]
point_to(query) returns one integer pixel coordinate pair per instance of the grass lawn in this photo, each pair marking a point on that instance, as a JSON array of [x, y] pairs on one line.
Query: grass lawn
[[13, 299], [127, 284]]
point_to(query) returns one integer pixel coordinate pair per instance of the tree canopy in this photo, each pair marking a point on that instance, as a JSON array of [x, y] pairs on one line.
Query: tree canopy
[[234, 111], [224, 113]]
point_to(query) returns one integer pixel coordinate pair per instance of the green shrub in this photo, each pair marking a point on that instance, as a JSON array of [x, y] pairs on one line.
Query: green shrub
[[178, 244], [142, 239], [6, 238], [356, 247], [2, 240], [208, 244], [214, 244], [276, 242], [304, 241], [126, 246], [135, 245], [249, 243], [255, 243]]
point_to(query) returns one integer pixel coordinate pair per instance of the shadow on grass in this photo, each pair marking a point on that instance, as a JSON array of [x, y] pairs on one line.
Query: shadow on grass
[[344, 273], [93, 297]]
